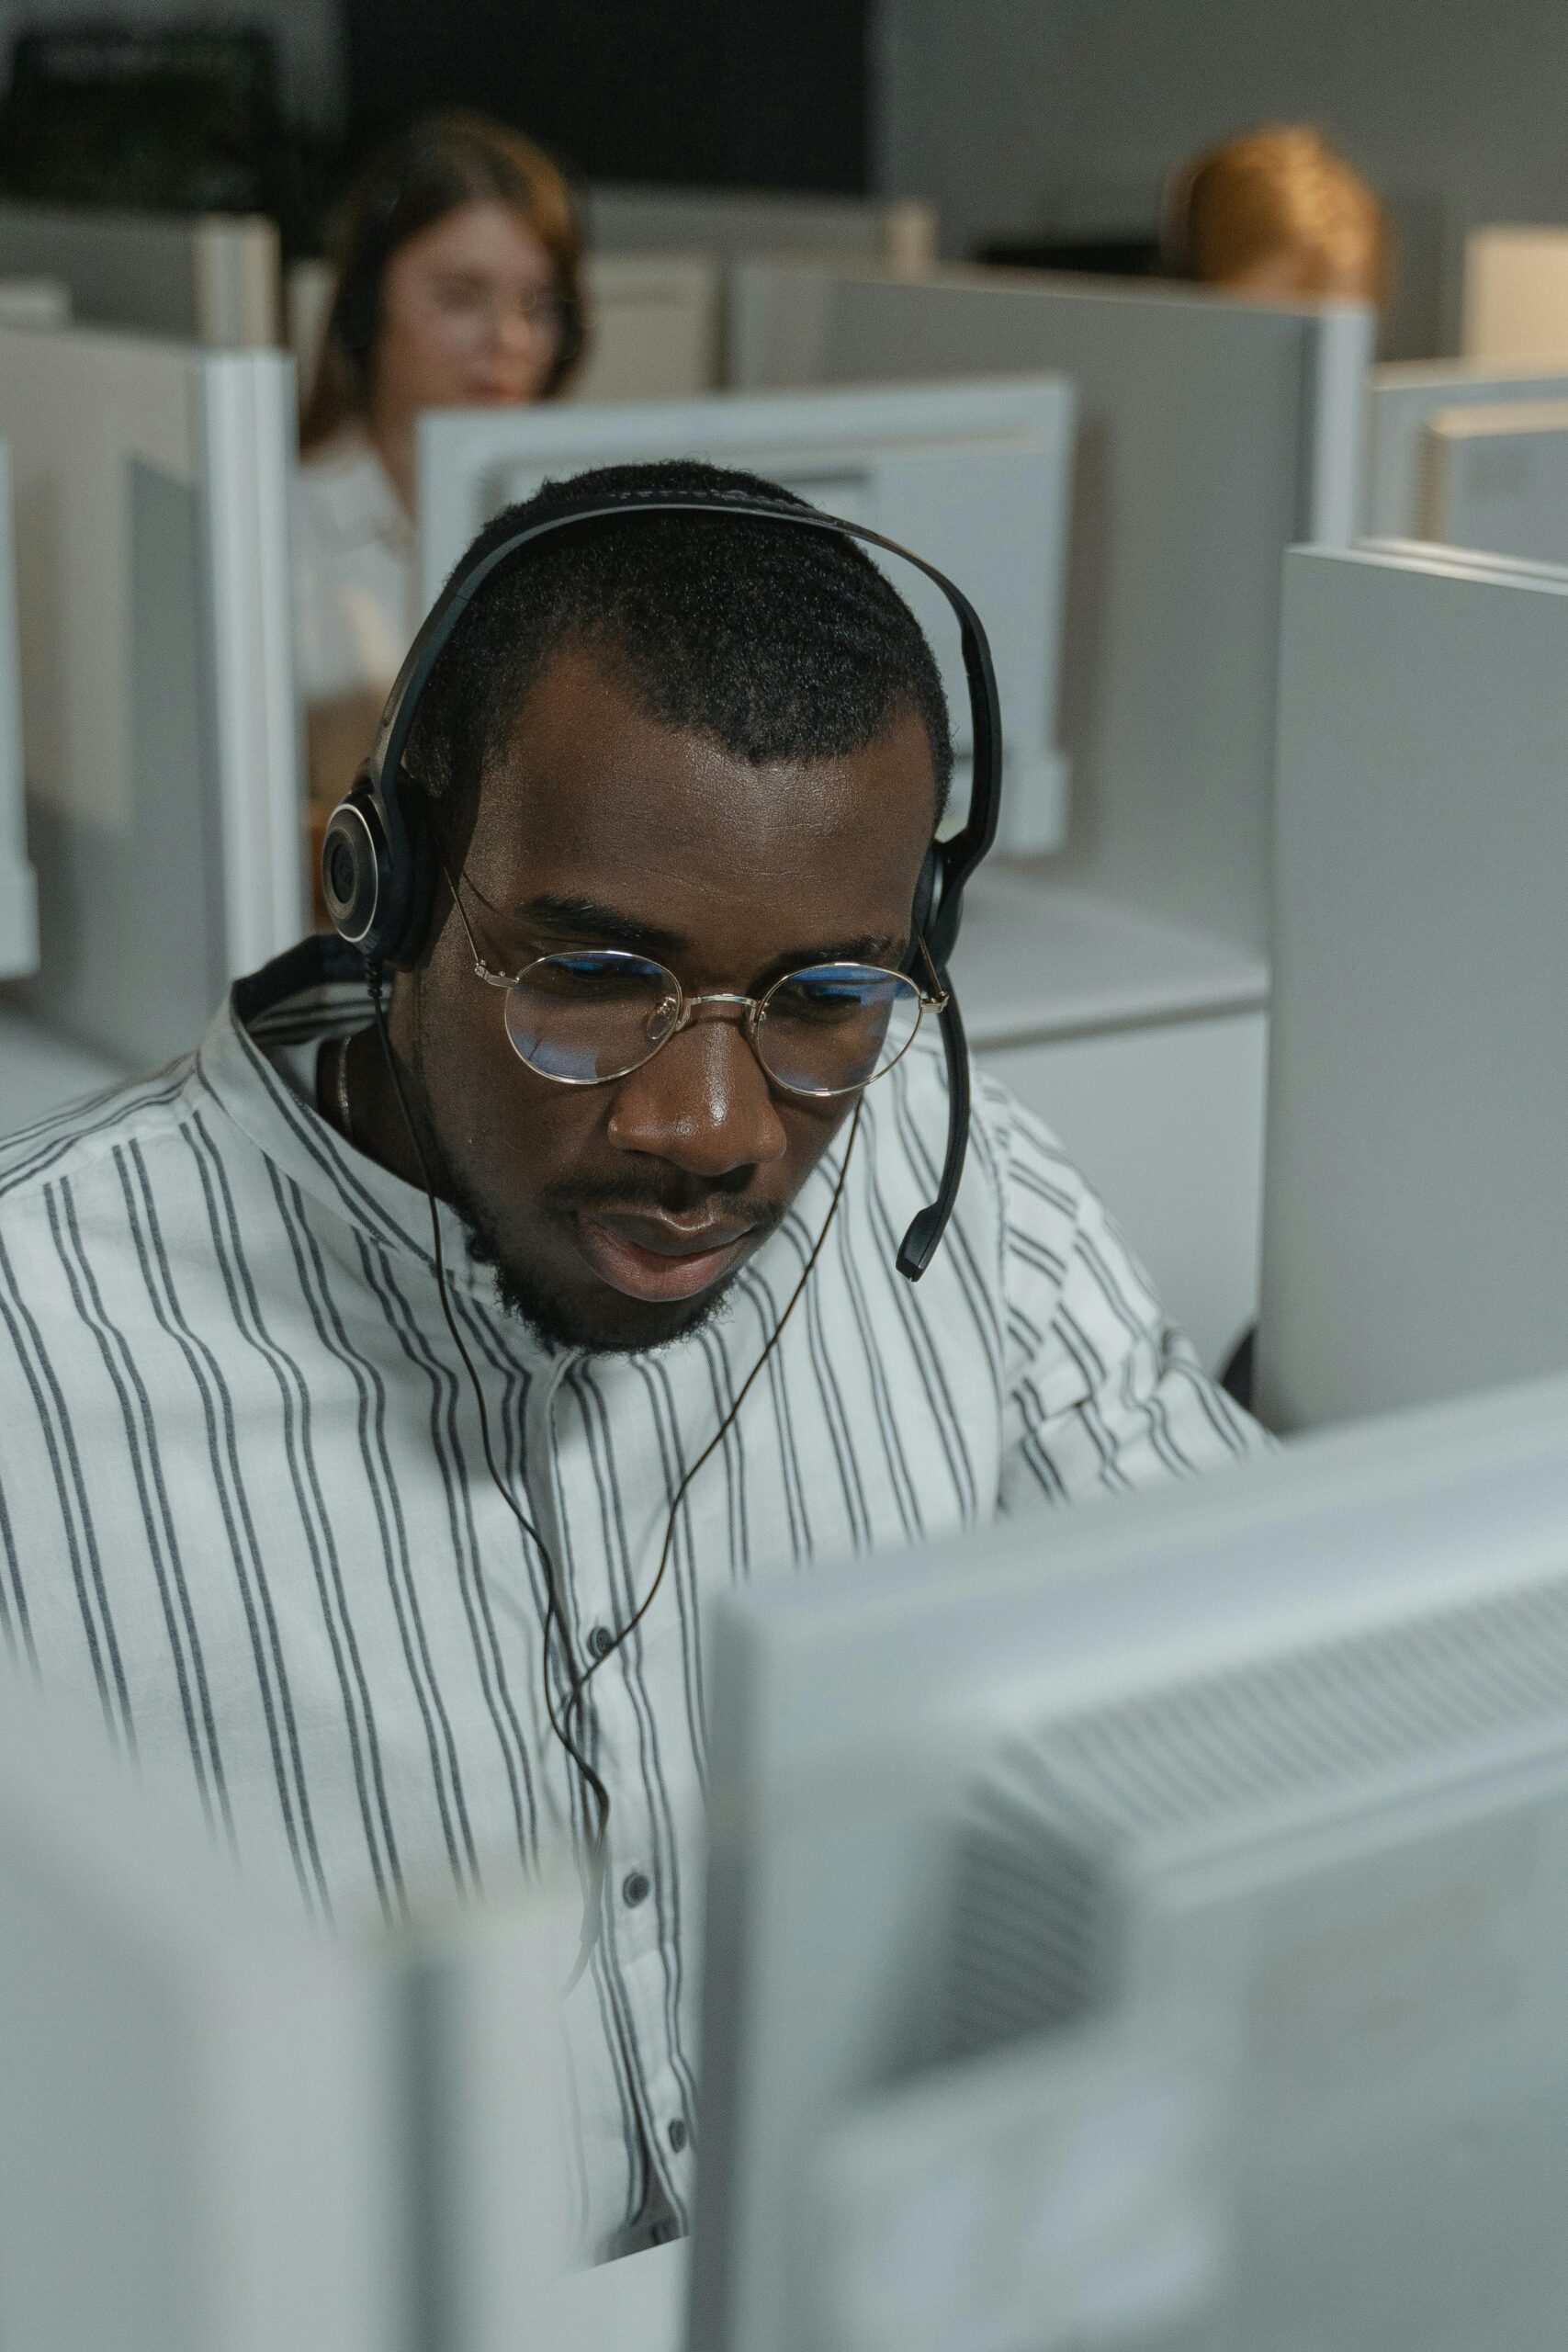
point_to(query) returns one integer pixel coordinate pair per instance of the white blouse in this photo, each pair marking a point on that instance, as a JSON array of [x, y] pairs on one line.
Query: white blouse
[[355, 573]]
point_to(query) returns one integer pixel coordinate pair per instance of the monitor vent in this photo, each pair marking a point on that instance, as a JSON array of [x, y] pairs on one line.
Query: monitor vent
[[1036, 1866], [1031, 1947]]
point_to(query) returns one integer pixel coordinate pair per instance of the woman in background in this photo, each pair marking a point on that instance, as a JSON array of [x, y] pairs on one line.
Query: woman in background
[[1276, 214], [458, 283]]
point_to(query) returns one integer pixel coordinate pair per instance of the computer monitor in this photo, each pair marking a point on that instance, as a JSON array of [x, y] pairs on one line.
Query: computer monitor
[[1151, 1928], [19, 888], [975, 477], [221, 2132], [1403, 397], [1497, 479]]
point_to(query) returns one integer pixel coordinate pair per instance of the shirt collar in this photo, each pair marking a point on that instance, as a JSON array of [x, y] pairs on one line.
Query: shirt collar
[[277, 1018], [258, 1060]]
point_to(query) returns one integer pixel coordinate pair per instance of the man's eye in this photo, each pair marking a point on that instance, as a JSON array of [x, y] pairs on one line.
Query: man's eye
[[587, 975], [819, 1000]]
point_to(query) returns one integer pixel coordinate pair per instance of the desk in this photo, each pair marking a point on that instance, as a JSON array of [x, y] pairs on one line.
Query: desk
[[638, 2304], [1143, 1045]]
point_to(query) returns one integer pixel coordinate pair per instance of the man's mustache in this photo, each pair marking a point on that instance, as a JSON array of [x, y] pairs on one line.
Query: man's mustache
[[628, 1197]]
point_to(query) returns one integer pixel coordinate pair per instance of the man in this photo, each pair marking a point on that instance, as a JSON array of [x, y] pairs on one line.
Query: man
[[668, 766]]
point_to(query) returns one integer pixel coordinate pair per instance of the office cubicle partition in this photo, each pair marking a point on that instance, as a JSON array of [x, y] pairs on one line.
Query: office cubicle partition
[[211, 279], [160, 727], [1124, 1000], [1414, 1244], [18, 887], [224, 2133], [1515, 303], [1402, 401], [656, 326], [735, 223]]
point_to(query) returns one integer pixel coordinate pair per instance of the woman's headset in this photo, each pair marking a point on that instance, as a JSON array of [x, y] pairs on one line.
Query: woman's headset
[[378, 874]]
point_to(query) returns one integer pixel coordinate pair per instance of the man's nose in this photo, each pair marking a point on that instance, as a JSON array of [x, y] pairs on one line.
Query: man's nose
[[703, 1102]]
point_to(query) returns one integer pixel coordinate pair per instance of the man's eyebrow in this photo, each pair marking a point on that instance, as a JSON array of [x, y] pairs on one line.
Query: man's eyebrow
[[867, 949], [585, 921]]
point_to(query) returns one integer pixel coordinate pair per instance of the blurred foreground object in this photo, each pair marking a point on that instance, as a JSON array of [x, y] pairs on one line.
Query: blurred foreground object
[[219, 2134], [1152, 1933]]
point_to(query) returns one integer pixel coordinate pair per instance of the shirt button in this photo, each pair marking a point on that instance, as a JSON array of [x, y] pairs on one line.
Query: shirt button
[[677, 2135], [601, 1641], [635, 1888]]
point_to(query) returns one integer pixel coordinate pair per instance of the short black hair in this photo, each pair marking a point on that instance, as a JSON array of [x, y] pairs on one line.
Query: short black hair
[[782, 644]]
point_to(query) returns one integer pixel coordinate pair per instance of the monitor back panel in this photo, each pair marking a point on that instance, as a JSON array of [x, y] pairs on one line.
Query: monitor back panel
[[976, 476]]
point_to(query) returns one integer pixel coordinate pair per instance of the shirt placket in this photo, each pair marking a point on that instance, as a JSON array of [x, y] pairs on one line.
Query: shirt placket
[[634, 1903]]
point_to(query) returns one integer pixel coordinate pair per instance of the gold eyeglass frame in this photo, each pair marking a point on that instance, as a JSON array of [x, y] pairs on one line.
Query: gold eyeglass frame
[[750, 1017]]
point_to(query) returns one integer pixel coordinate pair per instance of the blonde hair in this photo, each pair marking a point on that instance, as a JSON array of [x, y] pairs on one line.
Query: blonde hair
[[1280, 192], [442, 163]]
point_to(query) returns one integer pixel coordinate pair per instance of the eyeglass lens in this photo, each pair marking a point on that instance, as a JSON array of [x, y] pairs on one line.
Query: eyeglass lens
[[827, 1030]]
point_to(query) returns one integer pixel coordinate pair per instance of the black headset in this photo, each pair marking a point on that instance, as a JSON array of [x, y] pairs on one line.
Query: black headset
[[378, 878]]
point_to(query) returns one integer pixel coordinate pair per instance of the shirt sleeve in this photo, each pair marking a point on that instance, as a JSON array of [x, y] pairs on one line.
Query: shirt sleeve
[[1102, 1392]]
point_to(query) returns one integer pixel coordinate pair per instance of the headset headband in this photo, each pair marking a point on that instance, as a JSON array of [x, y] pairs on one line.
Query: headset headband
[[378, 896]]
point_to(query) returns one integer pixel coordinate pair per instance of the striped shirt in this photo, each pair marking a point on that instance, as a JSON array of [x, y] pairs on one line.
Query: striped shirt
[[243, 1511]]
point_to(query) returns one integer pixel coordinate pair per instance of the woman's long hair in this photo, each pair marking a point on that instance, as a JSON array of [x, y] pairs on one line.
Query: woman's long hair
[[435, 168]]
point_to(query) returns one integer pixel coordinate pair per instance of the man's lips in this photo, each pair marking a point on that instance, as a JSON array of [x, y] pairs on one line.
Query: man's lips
[[656, 1258]]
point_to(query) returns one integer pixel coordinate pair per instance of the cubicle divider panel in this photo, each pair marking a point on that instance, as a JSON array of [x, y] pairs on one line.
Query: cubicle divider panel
[[1212, 433], [1402, 401], [735, 222], [655, 327], [19, 886], [247, 445], [1515, 302], [211, 279], [1414, 1240], [160, 740]]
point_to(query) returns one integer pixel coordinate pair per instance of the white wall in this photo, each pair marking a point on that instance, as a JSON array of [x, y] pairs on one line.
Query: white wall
[[1008, 112]]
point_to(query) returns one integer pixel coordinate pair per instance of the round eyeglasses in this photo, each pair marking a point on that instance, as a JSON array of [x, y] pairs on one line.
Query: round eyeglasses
[[584, 1016]]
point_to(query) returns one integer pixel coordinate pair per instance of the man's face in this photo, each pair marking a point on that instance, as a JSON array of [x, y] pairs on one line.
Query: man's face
[[616, 1214]]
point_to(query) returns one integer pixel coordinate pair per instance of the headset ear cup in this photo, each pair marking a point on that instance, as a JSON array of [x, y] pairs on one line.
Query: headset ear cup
[[354, 871]]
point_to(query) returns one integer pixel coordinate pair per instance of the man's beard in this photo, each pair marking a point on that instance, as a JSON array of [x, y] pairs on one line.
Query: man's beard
[[623, 1326], [618, 1325]]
